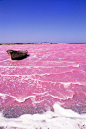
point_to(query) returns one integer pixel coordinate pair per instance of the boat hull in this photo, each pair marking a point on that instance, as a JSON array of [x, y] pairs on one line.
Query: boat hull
[[17, 55]]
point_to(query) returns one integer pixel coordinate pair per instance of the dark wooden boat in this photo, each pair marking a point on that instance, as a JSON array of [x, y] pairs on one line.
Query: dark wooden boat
[[17, 55]]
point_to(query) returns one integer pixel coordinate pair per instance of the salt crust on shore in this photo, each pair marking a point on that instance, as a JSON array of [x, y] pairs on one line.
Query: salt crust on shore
[[59, 119]]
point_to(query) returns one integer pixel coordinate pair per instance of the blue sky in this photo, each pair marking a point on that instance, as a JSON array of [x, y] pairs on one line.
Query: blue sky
[[56, 21]]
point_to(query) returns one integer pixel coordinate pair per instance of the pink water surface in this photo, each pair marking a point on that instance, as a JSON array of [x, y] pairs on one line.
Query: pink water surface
[[53, 73]]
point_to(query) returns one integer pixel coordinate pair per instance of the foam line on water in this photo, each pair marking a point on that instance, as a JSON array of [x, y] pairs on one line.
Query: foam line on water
[[3, 96], [62, 98], [67, 84], [40, 93], [4, 60], [35, 74], [74, 65]]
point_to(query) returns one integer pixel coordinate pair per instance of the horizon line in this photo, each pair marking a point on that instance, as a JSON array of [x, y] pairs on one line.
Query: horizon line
[[39, 43]]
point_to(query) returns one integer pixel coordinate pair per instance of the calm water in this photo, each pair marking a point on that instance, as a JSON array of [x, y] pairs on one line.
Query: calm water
[[45, 90]]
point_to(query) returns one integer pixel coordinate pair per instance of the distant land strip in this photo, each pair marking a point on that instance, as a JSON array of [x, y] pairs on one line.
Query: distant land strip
[[38, 43]]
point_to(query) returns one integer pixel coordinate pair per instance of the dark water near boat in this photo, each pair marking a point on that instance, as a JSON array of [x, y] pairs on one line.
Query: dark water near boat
[[47, 89]]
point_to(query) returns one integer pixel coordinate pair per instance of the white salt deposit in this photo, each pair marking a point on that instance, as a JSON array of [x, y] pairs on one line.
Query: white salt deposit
[[59, 119]]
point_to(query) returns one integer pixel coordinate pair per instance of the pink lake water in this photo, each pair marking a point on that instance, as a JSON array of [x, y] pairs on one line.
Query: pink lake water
[[47, 86]]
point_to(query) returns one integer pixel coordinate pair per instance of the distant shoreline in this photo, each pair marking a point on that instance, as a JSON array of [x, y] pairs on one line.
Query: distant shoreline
[[37, 43]]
